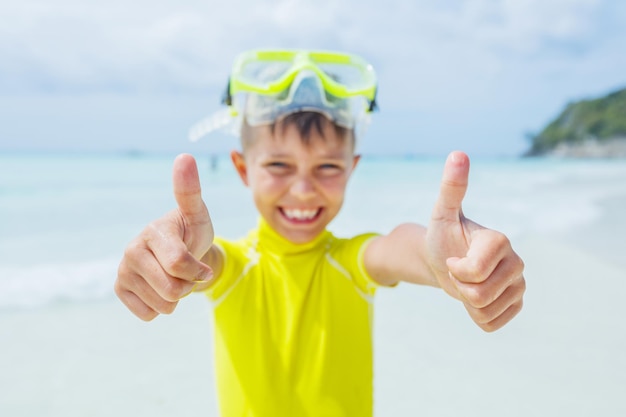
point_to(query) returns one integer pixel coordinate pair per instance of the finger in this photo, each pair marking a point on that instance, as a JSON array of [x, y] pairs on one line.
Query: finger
[[453, 187], [148, 295], [487, 249], [137, 283], [172, 255], [485, 315], [131, 285], [197, 229], [504, 318], [131, 300], [164, 284], [187, 191], [484, 293], [136, 306]]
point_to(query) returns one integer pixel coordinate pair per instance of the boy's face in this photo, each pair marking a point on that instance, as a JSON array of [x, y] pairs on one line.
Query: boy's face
[[297, 187]]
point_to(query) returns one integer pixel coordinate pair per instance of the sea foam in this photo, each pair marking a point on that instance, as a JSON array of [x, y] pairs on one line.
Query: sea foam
[[42, 284]]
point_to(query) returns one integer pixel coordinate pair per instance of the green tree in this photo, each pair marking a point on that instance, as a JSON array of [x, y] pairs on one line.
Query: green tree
[[598, 119]]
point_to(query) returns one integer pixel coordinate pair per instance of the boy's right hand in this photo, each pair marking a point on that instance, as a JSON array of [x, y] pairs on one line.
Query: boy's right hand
[[161, 265]]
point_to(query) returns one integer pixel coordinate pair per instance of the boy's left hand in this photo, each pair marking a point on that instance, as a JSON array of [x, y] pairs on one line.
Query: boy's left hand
[[471, 263]]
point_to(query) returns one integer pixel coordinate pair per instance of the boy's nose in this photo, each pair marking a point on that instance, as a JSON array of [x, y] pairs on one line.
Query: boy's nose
[[303, 188]]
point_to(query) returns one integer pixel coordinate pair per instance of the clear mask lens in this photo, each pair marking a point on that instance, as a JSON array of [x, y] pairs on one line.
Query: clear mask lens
[[305, 94], [268, 85]]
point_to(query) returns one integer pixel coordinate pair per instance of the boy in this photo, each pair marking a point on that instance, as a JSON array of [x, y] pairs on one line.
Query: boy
[[292, 303]]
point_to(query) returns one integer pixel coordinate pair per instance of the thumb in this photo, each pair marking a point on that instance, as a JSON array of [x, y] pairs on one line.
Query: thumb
[[191, 207], [453, 188]]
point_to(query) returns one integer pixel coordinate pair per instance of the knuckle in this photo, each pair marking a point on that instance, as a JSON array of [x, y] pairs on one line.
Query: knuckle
[[489, 327], [499, 321], [481, 316], [491, 324], [515, 264], [478, 297], [122, 293], [176, 261], [500, 239], [146, 314], [166, 307], [477, 269], [517, 288], [171, 292], [124, 272], [520, 263], [174, 290], [522, 285], [153, 229], [118, 287], [134, 304], [516, 308], [134, 249]]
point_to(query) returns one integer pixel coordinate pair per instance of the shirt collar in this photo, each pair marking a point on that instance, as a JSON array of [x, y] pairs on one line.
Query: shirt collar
[[269, 239]]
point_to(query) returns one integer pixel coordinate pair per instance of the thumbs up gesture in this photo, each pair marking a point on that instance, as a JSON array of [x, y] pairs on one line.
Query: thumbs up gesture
[[163, 264], [471, 263]]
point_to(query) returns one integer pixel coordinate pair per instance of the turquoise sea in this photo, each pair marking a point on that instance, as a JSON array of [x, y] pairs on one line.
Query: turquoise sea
[[69, 348], [66, 218]]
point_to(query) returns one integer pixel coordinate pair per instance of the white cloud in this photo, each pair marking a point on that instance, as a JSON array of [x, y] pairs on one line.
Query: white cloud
[[443, 61], [167, 44], [110, 45]]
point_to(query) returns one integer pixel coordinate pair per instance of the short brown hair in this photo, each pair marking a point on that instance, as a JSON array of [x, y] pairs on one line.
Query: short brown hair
[[306, 122]]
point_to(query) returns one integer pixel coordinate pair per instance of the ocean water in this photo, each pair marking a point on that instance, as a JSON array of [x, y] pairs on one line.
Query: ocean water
[[66, 219]]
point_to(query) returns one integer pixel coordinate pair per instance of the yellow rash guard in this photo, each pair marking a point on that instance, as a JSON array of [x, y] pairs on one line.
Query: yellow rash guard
[[293, 327]]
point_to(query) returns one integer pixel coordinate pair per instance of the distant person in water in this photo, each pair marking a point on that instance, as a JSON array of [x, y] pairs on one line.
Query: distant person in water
[[292, 302]]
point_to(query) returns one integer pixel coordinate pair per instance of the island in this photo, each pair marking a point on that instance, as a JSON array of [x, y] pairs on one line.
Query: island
[[594, 128]]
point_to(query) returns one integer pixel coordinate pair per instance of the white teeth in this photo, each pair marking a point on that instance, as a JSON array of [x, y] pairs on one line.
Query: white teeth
[[298, 214]]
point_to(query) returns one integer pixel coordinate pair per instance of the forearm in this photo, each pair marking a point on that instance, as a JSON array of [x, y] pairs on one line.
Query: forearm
[[400, 256]]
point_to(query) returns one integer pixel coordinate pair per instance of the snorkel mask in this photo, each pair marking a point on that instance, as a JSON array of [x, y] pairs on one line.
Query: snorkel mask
[[267, 85]]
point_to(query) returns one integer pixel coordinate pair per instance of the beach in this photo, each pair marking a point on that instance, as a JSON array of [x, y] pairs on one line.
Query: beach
[[74, 350]]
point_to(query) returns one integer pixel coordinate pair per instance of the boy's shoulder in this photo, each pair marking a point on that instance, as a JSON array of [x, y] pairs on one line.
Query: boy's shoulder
[[347, 243], [350, 250]]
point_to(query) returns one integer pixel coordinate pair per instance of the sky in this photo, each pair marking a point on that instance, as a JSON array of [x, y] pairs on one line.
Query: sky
[[476, 75]]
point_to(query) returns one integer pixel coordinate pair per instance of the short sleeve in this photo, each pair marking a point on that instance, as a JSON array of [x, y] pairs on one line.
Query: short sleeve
[[232, 267], [350, 254]]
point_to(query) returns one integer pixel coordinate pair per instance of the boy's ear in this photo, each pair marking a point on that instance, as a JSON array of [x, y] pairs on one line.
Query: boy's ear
[[239, 162], [355, 161]]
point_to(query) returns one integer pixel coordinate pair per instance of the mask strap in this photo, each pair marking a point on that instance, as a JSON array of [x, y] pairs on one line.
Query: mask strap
[[227, 98], [373, 104]]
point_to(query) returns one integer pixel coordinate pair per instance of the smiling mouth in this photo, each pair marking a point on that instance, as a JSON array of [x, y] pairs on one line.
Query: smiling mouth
[[301, 215]]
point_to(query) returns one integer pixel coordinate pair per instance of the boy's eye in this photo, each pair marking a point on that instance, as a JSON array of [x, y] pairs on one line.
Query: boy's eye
[[277, 166], [330, 169]]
